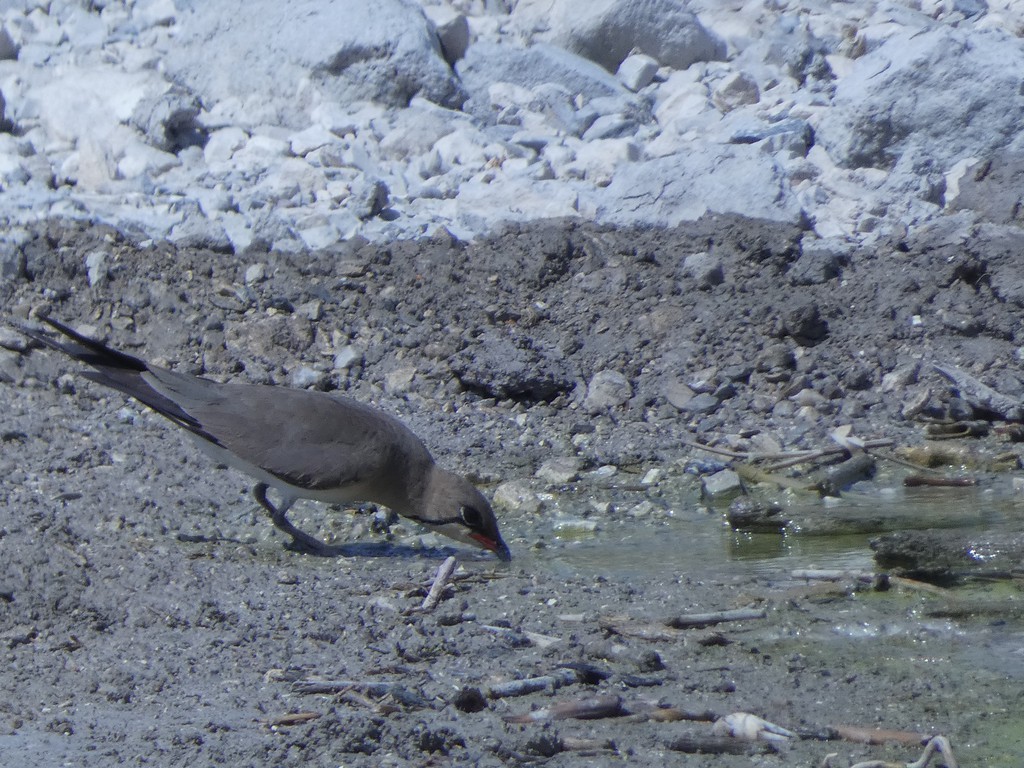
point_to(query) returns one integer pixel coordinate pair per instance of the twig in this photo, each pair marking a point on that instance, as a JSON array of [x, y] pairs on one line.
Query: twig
[[904, 463], [836, 450], [789, 461], [292, 718], [913, 481], [876, 735], [444, 572], [340, 686], [822, 574], [360, 699], [570, 744], [712, 449], [692, 620], [528, 685], [917, 586], [718, 745], [593, 708]]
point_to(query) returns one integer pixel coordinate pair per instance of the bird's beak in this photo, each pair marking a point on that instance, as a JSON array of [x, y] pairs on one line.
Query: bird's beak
[[498, 546]]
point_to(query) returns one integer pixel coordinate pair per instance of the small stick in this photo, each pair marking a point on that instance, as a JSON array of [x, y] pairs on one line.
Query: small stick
[[790, 461], [708, 619], [824, 574], [380, 707], [712, 449], [876, 735], [444, 572], [533, 684], [570, 744], [340, 686], [292, 718], [718, 745], [594, 708], [917, 586], [913, 481]]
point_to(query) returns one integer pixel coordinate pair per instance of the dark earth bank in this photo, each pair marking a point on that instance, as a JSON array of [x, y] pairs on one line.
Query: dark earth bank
[[149, 615]]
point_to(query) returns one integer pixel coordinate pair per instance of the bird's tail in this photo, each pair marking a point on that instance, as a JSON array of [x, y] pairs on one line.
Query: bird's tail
[[113, 369], [85, 350]]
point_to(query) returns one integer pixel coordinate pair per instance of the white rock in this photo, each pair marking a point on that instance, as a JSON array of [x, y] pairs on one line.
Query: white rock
[[259, 151], [399, 380], [292, 179], [452, 30], [680, 97], [721, 486], [415, 131], [486, 63], [462, 147], [606, 390], [89, 101], [222, 144], [143, 160], [255, 273], [737, 90], [317, 231], [560, 470], [305, 377], [346, 357], [606, 31], [96, 267], [966, 99], [482, 205], [12, 169], [238, 229], [596, 161], [344, 119], [684, 187], [637, 71], [92, 167], [314, 137], [342, 51], [213, 201], [516, 496], [151, 13]]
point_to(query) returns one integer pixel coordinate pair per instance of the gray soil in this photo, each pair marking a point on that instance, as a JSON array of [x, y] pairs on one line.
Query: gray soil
[[150, 615]]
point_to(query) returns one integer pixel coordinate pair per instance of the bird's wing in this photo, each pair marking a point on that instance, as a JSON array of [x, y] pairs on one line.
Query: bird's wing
[[308, 439]]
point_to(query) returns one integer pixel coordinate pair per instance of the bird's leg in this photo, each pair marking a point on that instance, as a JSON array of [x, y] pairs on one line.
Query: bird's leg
[[300, 540]]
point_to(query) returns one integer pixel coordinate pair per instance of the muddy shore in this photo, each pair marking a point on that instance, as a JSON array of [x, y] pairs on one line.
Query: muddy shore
[[150, 615]]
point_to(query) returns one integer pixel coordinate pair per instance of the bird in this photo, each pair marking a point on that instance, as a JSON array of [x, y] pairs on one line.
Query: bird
[[300, 443]]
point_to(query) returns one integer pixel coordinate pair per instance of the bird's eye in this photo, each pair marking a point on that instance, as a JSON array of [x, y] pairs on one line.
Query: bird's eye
[[471, 517]]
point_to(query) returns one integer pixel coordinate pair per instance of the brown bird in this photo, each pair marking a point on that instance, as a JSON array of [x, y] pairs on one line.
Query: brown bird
[[302, 444]]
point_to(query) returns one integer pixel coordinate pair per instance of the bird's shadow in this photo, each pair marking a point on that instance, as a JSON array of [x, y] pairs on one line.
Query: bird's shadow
[[374, 549], [362, 549]]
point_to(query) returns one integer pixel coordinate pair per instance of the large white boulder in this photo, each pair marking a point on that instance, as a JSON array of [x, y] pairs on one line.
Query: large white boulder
[[286, 58], [607, 31]]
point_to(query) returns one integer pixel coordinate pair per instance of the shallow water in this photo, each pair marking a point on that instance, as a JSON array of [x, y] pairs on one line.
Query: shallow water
[[682, 535], [978, 657]]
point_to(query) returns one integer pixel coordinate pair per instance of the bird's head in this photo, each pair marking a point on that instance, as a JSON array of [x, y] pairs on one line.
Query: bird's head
[[454, 507]]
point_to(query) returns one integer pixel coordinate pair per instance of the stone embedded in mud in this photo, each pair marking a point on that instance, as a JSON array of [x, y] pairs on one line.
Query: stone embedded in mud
[[515, 366], [607, 390], [804, 323], [560, 470], [705, 269], [517, 496], [721, 486]]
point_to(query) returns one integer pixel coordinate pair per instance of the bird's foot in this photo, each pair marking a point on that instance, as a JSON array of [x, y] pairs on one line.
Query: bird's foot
[[310, 545]]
